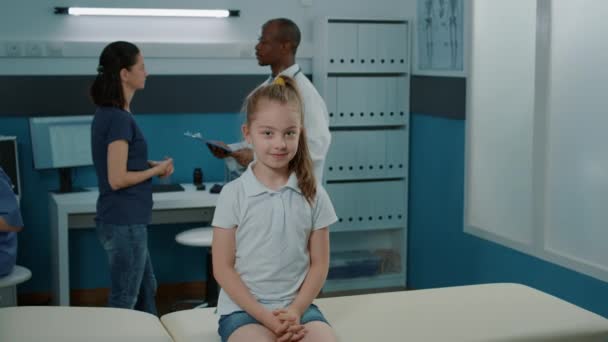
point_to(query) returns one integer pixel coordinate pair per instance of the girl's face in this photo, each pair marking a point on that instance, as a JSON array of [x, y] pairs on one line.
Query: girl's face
[[135, 77], [274, 133]]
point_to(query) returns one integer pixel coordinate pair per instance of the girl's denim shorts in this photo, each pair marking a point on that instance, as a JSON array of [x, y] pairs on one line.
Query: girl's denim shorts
[[231, 322]]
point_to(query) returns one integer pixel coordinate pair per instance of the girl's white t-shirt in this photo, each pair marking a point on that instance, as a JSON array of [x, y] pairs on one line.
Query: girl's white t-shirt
[[272, 233]]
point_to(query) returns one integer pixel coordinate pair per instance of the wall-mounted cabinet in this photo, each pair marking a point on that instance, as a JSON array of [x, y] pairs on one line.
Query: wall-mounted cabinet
[[372, 100], [362, 72], [367, 154], [369, 205], [367, 46]]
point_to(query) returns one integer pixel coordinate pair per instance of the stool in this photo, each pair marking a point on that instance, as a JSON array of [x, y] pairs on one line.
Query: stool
[[202, 237], [8, 285]]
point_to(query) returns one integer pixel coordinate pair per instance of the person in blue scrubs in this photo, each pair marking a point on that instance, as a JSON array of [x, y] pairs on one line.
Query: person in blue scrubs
[[10, 224], [124, 173]]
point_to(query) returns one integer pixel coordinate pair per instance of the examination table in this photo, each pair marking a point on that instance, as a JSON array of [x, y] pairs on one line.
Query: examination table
[[488, 312]]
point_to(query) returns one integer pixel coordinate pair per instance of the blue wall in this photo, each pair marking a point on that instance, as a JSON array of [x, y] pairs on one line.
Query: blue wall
[[441, 254], [88, 266]]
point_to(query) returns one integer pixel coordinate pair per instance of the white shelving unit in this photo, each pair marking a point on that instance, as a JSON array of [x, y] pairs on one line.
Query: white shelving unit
[[362, 70]]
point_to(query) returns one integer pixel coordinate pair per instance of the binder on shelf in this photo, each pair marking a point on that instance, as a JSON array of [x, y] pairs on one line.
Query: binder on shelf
[[353, 264]]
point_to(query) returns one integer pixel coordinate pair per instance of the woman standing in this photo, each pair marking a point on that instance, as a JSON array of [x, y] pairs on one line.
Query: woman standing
[[120, 156]]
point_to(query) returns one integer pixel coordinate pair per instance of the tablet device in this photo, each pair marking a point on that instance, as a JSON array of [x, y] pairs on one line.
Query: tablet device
[[216, 144]]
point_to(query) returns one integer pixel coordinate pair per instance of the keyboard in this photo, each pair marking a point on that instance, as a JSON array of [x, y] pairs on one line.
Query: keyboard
[[167, 187]]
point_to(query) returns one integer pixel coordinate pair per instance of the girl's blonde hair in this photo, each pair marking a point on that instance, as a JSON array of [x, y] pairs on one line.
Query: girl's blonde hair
[[285, 91]]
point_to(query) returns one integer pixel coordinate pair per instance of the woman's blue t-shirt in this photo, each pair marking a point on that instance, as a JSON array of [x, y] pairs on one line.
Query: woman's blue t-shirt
[[130, 205]]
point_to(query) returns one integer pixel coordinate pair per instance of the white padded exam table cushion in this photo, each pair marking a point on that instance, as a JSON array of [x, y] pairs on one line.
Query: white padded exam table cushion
[[196, 325], [492, 312], [71, 324]]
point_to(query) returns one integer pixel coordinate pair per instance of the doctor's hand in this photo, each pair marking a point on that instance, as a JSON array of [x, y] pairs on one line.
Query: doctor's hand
[[218, 152], [243, 156]]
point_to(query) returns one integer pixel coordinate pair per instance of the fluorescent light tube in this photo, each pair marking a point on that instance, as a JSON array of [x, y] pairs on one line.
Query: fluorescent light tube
[[147, 12]]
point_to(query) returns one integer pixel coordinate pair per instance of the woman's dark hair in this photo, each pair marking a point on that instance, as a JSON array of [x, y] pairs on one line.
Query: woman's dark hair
[[107, 87]]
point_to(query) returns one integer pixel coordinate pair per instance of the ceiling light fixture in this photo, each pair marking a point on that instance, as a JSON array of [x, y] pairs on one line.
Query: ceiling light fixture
[[147, 12]]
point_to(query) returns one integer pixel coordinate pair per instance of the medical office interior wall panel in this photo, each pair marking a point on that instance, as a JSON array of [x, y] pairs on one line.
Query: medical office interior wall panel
[[577, 158], [71, 44], [362, 71], [536, 165], [500, 116]]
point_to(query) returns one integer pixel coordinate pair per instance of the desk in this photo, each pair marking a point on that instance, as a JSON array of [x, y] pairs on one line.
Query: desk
[[77, 211]]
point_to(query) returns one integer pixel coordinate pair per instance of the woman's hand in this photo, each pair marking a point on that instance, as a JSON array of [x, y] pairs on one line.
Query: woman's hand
[[163, 168]]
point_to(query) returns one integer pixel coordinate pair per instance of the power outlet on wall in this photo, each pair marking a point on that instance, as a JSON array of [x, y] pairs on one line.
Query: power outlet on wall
[[34, 49], [54, 49], [13, 49]]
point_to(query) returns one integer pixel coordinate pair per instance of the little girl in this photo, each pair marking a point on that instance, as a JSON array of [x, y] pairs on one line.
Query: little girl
[[271, 237]]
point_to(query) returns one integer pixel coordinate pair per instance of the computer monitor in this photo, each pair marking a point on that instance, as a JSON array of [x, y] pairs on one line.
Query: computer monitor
[[9, 160], [61, 142]]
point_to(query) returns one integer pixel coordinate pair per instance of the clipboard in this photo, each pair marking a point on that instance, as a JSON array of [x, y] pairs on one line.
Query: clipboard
[[209, 143], [216, 144]]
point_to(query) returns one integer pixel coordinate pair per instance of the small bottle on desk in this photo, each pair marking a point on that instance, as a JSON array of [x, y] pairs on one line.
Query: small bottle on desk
[[197, 179]]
